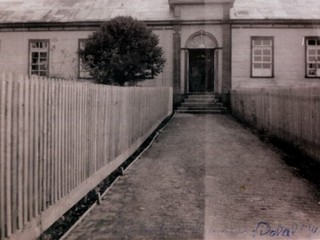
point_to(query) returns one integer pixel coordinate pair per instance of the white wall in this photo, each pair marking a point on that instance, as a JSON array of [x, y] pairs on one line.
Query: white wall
[[63, 60], [166, 77], [289, 56], [63, 56], [201, 12]]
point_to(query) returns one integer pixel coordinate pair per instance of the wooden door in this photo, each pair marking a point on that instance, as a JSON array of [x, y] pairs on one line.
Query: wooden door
[[201, 70]]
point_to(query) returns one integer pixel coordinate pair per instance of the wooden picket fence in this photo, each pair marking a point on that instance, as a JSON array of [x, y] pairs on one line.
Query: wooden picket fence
[[289, 113], [59, 139]]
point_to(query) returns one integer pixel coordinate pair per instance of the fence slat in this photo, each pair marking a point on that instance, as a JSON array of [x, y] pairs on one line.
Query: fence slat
[[45, 145], [63, 140], [50, 166], [59, 139], [291, 113], [26, 153], [8, 145], [60, 142], [2, 156], [41, 148], [14, 155], [20, 157], [36, 150]]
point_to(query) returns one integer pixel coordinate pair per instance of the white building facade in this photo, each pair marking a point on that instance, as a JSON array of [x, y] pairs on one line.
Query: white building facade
[[210, 45]]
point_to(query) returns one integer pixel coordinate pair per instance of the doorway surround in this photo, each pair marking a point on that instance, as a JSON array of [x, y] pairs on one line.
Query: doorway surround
[[203, 46]]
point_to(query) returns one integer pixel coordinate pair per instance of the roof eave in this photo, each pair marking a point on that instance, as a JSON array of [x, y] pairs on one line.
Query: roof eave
[[73, 24], [277, 21]]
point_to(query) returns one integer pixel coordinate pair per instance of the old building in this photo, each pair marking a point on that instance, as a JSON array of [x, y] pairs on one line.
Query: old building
[[43, 37], [275, 42], [210, 45]]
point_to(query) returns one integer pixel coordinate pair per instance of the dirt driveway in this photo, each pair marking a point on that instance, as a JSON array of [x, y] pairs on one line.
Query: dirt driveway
[[206, 177]]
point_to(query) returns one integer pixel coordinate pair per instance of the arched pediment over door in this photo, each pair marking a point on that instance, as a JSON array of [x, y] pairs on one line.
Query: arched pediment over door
[[201, 62], [201, 40]]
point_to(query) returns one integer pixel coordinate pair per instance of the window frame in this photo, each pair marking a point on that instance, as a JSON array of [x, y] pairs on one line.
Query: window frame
[[81, 40], [306, 55], [251, 55], [47, 41]]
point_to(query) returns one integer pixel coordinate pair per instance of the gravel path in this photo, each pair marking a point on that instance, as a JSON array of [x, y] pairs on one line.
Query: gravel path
[[206, 177]]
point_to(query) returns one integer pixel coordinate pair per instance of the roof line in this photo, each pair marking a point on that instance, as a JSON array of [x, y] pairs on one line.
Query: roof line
[[96, 24], [277, 21]]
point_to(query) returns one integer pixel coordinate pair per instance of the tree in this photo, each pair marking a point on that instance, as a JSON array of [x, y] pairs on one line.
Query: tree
[[123, 50]]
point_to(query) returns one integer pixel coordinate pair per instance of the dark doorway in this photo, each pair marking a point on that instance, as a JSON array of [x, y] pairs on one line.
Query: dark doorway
[[201, 70]]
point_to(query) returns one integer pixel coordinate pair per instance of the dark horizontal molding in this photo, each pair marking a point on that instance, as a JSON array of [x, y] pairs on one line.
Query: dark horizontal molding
[[249, 22], [49, 26], [92, 26], [172, 3], [89, 26], [66, 26], [191, 22]]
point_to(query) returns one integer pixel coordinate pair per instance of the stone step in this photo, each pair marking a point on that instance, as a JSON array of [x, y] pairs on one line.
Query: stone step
[[201, 101], [202, 111], [202, 97], [202, 93], [200, 104], [202, 108]]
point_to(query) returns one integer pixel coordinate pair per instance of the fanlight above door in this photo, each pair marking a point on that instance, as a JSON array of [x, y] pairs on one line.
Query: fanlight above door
[[202, 40]]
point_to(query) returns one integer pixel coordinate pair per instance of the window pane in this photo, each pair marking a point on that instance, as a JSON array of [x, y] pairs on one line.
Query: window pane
[[83, 73], [43, 45], [43, 60], [257, 65], [82, 44], [257, 52], [43, 55], [266, 52], [43, 74], [257, 58], [34, 67], [267, 42], [266, 65], [257, 42], [35, 55], [267, 59], [312, 42], [43, 67], [312, 65], [312, 52], [312, 59], [311, 72]]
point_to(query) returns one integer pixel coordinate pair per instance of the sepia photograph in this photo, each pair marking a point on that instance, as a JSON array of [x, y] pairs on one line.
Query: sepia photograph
[[159, 119]]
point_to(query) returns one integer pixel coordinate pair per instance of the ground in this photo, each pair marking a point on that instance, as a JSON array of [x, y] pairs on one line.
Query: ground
[[206, 177]]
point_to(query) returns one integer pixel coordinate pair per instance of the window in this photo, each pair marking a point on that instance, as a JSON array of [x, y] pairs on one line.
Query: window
[[313, 57], [39, 57], [83, 73], [262, 57]]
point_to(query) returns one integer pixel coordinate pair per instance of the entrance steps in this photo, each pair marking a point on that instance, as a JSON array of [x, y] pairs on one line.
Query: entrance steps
[[202, 103]]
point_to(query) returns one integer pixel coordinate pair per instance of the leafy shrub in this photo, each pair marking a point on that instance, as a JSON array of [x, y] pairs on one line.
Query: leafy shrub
[[123, 51]]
